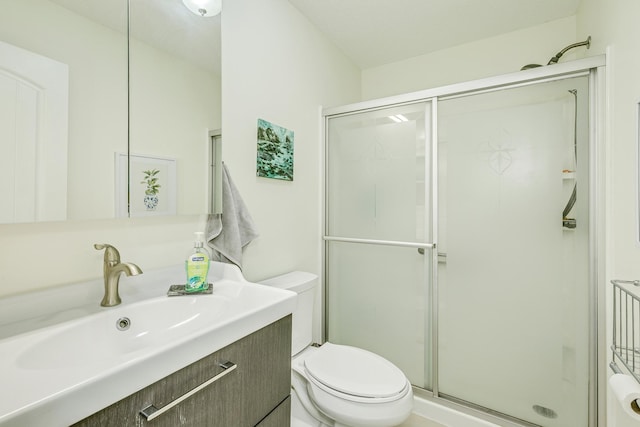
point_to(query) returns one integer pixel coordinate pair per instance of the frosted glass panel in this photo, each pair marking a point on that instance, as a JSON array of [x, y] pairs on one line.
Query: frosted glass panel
[[377, 300], [378, 189], [513, 313], [376, 174]]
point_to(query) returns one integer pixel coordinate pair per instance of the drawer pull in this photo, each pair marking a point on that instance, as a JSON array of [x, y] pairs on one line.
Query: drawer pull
[[151, 412]]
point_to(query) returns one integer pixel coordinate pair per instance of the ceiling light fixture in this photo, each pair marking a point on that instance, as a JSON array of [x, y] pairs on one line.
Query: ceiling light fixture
[[204, 8]]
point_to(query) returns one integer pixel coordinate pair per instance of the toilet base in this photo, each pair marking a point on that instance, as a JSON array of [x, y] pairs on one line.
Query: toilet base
[[300, 417]]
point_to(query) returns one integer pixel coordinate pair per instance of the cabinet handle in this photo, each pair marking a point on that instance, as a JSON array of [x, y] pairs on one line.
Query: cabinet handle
[[151, 412]]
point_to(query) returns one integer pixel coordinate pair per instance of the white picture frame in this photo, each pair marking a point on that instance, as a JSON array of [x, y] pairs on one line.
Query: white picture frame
[[145, 185]]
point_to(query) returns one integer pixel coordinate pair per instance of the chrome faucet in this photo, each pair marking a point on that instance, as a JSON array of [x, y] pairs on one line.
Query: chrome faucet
[[112, 269]]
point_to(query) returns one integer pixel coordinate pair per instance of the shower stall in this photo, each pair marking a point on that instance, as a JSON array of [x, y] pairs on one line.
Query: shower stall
[[460, 236]]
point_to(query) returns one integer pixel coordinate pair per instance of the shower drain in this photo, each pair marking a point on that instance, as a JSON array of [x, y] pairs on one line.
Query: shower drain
[[545, 412]]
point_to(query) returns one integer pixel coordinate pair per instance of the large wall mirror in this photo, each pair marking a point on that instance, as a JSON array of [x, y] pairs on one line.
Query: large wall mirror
[[76, 95], [174, 103]]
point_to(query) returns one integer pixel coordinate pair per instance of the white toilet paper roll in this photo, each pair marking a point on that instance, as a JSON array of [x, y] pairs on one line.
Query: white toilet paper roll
[[626, 391]]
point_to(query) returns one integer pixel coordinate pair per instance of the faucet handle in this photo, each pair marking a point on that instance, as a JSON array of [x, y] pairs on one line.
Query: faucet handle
[[111, 254]]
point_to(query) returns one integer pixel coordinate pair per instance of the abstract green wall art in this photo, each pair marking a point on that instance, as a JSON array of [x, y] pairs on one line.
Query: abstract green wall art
[[275, 151]]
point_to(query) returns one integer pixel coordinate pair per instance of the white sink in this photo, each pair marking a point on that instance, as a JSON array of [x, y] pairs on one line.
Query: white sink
[[118, 334], [61, 373]]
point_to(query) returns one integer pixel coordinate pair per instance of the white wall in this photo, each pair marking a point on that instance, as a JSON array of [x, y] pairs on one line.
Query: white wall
[[41, 255], [483, 58], [277, 67], [613, 26]]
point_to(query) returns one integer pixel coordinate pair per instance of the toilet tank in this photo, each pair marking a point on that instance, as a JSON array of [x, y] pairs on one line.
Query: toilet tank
[[304, 284]]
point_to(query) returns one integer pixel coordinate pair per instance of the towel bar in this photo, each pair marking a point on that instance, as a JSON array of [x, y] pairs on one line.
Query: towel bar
[[625, 345]]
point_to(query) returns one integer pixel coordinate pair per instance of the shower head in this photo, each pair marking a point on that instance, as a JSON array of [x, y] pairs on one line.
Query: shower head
[[558, 55]]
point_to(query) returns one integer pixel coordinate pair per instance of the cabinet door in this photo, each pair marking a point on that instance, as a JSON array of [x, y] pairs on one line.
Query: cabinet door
[[242, 398], [266, 375]]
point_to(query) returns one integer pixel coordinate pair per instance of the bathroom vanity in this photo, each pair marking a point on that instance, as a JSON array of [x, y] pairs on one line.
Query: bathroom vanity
[[254, 393], [217, 360]]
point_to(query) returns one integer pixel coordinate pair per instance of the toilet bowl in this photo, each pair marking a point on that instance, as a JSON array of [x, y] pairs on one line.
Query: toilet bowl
[[339, 385]]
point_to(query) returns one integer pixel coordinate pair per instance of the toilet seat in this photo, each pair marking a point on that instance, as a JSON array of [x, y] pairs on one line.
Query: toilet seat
[[355, 374]]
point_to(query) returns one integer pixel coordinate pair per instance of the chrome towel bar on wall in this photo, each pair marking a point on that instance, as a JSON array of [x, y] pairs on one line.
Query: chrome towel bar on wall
[[625, 345]]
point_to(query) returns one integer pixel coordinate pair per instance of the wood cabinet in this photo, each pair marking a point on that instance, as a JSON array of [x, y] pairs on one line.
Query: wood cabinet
[[279, 417], [255, 393]]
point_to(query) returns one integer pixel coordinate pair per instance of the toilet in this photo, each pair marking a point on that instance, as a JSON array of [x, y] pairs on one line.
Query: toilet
[[338, 385]]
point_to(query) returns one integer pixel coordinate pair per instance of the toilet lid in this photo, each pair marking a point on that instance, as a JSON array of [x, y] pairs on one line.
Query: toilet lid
[[355, 371]]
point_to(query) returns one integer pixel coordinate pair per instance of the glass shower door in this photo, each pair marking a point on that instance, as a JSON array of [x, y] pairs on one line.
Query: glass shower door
[[513, 290], [378, 235]]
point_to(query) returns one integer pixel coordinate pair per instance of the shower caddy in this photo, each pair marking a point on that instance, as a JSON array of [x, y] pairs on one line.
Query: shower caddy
[[626, 328]]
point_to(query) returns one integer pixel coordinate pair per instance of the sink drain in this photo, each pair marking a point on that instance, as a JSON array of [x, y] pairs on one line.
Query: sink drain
[[123, 323]]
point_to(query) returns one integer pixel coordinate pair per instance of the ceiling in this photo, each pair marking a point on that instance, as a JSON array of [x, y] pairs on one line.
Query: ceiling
[[165, 24], [370, 32], [376, 32]]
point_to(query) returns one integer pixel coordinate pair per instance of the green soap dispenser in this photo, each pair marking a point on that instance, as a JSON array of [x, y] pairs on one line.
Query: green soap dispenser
[[197, 266]]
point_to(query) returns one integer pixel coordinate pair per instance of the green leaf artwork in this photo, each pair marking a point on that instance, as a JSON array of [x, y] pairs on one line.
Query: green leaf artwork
[[275, 151], [151, 180]]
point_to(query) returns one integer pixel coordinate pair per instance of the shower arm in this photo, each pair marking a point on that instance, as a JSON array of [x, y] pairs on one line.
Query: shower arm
[[558, 55]]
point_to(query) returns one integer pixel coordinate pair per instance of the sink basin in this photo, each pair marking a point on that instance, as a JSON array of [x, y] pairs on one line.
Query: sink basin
[[116, 335], [60, 373]]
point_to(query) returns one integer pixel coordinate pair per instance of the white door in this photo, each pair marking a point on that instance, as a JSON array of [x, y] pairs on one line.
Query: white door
[[34, 92]]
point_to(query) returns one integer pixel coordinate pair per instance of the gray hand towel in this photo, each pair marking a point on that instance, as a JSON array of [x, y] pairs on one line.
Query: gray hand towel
[[229, 232]]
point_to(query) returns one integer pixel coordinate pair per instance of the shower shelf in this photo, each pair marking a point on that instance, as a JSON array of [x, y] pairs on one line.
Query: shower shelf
[[626, 328]]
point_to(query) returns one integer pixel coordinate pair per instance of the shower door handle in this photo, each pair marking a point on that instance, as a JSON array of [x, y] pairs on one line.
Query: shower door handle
[[442, 256]]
